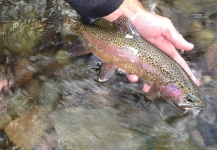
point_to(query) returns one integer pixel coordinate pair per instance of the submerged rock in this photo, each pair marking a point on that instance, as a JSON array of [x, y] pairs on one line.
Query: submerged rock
[[24, 72], [195, 26], [49, 93], [4, 120], [26, 131], [20, 36], [203, 38], [18, 103], [211, 56], [197, 138], [206, 79], [48, 142], [93, 129], [63, 57]]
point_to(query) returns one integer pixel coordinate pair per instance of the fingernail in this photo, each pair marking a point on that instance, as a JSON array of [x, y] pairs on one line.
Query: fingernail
[[192, 45]]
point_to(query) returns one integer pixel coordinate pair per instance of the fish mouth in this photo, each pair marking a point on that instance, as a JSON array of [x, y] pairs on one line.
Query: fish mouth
[[190, 106]]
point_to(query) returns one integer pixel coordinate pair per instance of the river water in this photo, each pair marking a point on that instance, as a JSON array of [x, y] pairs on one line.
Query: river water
[[54, 101]]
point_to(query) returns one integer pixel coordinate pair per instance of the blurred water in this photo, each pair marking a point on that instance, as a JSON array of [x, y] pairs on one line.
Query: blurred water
[[57, 101]]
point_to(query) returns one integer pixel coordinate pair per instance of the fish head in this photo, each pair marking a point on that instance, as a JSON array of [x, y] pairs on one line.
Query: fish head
[[183, 97]]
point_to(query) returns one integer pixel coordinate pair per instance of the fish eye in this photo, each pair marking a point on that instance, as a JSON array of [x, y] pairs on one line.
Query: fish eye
[[189, 100]]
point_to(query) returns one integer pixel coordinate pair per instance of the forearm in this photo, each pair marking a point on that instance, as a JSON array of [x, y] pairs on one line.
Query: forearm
[[129, 8]]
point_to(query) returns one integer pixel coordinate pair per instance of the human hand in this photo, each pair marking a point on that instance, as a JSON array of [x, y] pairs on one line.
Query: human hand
[[160, 32], [157, 30]]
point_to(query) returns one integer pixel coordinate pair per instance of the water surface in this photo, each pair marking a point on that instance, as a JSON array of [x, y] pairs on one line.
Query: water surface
[[54, 101]]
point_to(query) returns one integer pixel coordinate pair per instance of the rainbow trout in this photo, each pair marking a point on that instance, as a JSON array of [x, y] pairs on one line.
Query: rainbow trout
[[124, 49]]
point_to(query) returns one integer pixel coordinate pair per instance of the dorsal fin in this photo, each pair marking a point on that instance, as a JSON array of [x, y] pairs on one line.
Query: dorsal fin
[[125, 25]]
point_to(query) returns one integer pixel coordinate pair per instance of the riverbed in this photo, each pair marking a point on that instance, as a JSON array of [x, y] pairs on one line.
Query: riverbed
[[54, 100]]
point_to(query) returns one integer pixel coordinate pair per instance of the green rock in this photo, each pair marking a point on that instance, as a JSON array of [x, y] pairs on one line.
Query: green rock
[[204, 38], [18, 103], [49, 93], [93, 129], [63, 57]]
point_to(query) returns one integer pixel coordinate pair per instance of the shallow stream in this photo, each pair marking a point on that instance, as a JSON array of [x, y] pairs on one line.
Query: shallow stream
[[54, 101]]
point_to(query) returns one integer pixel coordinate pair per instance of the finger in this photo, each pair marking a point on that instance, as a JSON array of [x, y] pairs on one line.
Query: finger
[[185, 66], [170, 50], [133, 78], [146, 88], [174, 37]]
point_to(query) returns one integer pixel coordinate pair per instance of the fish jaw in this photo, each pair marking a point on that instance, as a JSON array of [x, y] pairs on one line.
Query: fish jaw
[[181, 97]]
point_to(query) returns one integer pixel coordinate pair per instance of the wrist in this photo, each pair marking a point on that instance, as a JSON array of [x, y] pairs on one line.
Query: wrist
[[129, 8]]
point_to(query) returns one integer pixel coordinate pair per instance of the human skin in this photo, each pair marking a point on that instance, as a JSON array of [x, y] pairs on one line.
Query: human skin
[[157, 30], [3, 84]]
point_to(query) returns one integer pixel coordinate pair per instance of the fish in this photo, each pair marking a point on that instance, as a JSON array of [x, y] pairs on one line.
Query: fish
[[123, 49]]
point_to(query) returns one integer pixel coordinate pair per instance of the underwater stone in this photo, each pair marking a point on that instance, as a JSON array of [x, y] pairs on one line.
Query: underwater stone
[[203, 38], [49, 93], [63, 57], [27, 130], [93, 129], [211, 56]]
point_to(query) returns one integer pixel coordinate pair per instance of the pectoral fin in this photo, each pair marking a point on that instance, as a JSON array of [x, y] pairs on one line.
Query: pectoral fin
[[153, 92], [107, 71], [77, 48]]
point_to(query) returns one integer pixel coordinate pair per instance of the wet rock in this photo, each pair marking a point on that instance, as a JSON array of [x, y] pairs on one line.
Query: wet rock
[[47, 63], [186, 6], [4, 141], [209, 115], [19, 9], [47, 142], [26, 131], [197, 138], [195, 26], [79, 128], [203, 38], [207, 79], [20, 36], [3, 104], [208, 132], [211, 56], [210, 148], [49, 93], [24, 72], [63, 57], [88, 93], [18, 103], [167, 137], [33, 87], [5, 119]]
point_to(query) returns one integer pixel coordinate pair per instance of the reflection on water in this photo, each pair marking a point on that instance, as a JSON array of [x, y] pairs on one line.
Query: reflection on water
[[54, 101]]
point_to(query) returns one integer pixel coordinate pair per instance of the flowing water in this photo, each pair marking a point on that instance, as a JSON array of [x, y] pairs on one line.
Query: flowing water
[[54, 101]]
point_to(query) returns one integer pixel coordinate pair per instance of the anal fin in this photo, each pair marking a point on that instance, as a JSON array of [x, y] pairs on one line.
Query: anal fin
[[107, 71]]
